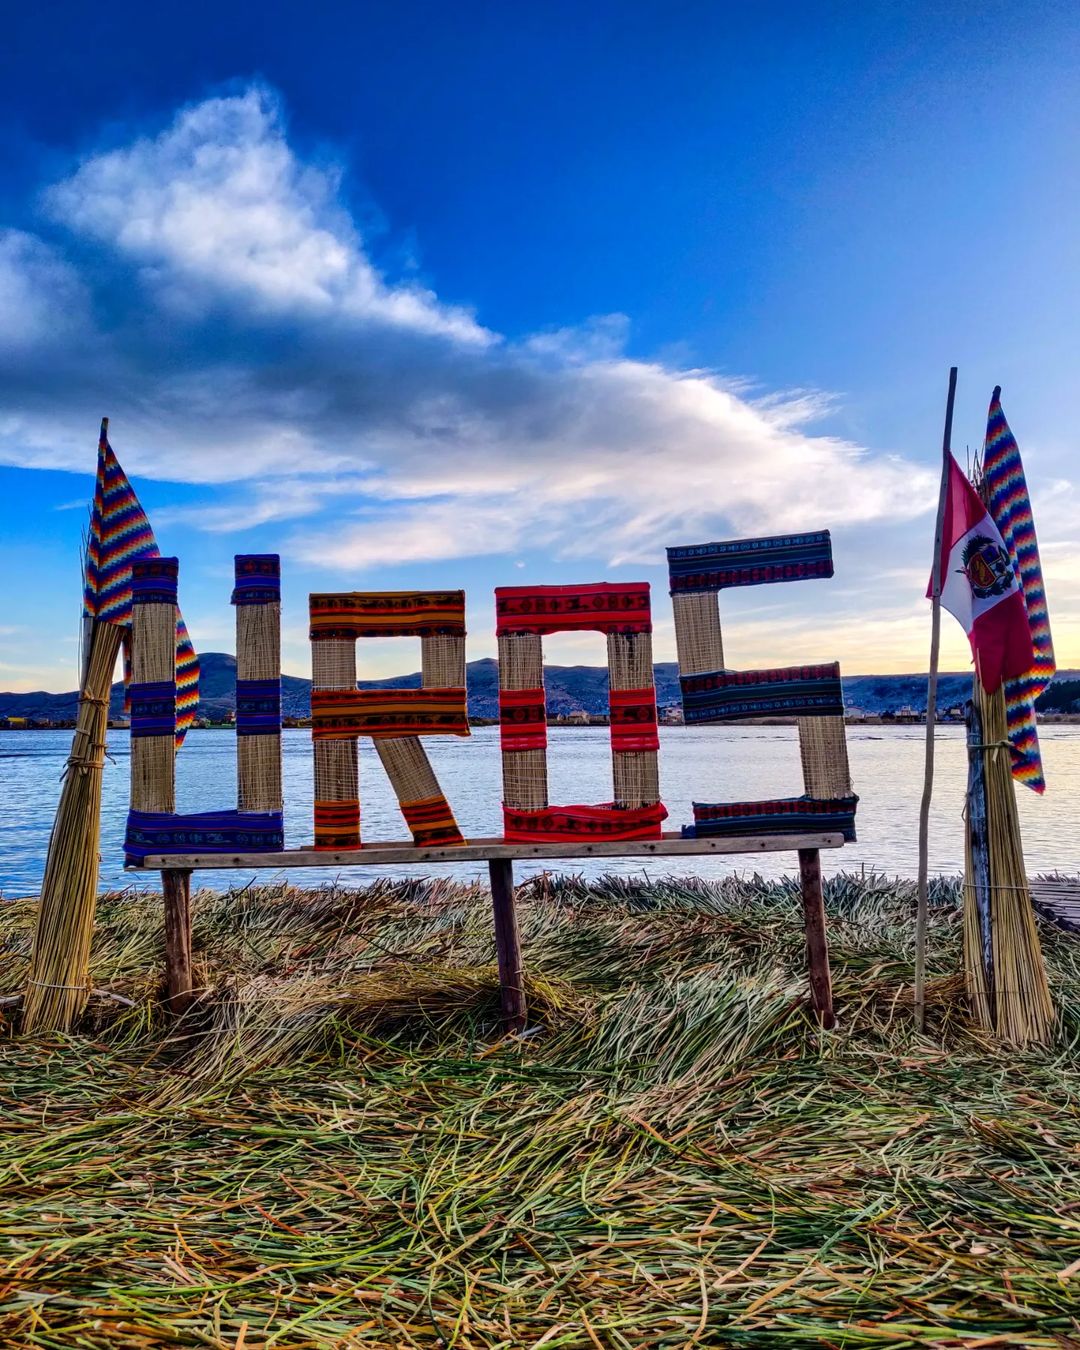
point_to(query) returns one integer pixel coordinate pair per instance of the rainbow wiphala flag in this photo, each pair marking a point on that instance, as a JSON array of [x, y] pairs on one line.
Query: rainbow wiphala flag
[[120, 533], [1010, 507]]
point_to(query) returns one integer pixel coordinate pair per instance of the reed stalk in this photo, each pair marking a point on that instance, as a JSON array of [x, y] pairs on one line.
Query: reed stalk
[[57, 987], [1014, 1003]]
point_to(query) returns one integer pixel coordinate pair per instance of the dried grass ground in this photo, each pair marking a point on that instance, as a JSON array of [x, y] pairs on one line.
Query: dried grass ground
[[338, 1151]]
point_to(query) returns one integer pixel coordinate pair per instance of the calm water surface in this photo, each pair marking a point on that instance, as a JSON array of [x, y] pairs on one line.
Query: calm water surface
[[707, 763]]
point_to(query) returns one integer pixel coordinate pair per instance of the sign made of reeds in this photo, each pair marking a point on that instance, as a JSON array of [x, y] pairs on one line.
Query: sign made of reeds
[[711, 693], [397, 719]]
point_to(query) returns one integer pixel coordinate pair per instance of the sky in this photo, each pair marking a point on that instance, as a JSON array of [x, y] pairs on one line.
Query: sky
[[481, 294]]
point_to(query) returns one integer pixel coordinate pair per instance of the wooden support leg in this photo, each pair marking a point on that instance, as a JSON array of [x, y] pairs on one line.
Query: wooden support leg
[[176, 885], [817, 945], [508, 944]]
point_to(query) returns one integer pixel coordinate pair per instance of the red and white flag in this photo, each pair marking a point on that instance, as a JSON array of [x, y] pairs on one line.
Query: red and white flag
[[979, 586]]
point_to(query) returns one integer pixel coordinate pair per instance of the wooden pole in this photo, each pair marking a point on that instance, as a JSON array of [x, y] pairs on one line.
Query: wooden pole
[[508, 944], [817, 944], [179, 982], [931, 717], [979, 849]]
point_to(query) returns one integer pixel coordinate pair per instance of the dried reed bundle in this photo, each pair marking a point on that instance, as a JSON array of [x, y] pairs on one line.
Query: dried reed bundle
[[57, 987], [635, 773], [258, 657], [521, 666], [1013, 999]]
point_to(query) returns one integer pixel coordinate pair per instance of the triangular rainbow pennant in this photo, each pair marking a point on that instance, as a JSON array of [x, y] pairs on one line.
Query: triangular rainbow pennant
[[120, 533], [1010, 507]]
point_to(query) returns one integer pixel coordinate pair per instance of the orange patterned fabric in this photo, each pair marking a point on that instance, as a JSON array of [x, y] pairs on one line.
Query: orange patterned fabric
[[432, 822], [387, 614], [337, 825], [344, 714]]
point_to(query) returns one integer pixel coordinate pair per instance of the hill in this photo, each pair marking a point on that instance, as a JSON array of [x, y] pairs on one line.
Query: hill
[[569, 688]]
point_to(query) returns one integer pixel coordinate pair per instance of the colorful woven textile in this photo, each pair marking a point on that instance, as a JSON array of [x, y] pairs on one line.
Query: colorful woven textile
[[258, 579], [258, 706], [1010, 508], [387, 614], [431, 822], [789, 815], [337, 825], [208, 832], [342, 714], [606, 607], [153, 708], [522, 719], [154, 581], [633, 719], [750, 562], [796, 691], [120, 533], [570, 824]]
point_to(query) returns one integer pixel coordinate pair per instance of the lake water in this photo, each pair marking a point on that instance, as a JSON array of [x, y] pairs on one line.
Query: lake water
[[708, 763]]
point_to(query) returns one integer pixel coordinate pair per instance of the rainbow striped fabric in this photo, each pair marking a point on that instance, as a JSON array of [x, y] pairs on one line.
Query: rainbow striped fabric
[[1010, 507], [120, 533]]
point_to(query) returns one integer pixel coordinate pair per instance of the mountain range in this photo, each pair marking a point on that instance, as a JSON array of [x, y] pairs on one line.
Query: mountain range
[[569, 689]]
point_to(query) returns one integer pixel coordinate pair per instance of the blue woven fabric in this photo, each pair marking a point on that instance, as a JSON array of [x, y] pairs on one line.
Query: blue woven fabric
[[258, 707], [750, 562], [153, 708], [207, 832]]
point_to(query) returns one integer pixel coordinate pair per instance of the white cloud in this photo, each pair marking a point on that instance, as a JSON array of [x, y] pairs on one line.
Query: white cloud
[[253, 341], [41, 297], [219, 199]]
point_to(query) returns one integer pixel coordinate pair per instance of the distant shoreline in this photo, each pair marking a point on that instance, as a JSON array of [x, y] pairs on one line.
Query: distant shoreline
[[871, 720]]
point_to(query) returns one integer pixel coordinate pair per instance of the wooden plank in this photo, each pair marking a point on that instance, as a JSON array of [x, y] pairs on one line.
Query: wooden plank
[[508, 945], [176, 885], [483, 850], [817, 945]]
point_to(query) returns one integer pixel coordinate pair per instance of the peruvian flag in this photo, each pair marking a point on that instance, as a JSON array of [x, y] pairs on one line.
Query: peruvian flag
[[979, 586]]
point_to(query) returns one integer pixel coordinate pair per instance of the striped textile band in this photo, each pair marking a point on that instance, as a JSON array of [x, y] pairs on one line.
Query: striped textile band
[[387, 614], [120, 533], [153, 708], [344, 714], [567, 824], [731, 695], [633, 719], [750, 562], [153, 581], [431, 822], [605, 607], [258, 707], [522, 719], [788, 815], [337, 825], [208, 832], [258, 579], [1010, 506]]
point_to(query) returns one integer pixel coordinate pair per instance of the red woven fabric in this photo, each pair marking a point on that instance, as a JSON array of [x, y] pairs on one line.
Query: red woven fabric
[[568, 824], [522, 719], [633, 719], [604, 607]]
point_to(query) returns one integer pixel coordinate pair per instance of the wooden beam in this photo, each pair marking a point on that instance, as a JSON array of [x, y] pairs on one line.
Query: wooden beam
[[508, 945], [179, 983], [483, 850], [817, 945]]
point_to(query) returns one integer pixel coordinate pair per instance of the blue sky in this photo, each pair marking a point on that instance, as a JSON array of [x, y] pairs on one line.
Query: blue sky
[[484, 294]]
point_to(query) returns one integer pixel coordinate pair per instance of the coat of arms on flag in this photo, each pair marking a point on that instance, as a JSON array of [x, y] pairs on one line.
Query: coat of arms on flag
[[120, 533], [979, 586]]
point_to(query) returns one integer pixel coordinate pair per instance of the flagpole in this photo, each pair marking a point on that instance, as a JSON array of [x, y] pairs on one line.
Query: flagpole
[[931, 717]]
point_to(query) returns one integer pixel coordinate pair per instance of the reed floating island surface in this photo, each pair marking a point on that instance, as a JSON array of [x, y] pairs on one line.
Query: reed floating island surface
[[335, 1147]]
